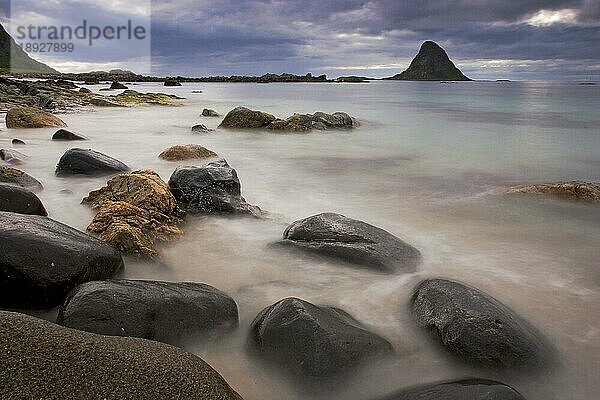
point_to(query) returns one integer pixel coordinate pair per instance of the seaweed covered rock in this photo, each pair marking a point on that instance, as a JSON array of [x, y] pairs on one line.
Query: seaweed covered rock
[[186, 152], [476, 327], [18, 200], [31, 117], [88, 162], [313, 341], [352, 241], [164, 311], [212, 188], [134, 211], [42, 360], [132, 97], [19, 178], [42, 260]]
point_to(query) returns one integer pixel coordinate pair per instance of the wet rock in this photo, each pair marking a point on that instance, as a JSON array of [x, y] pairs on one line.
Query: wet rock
[[212, 188], [84, 90], [476, 327], [352, 241], [313, 341], [318, 120], [17, 141], [12, 157], [132, 97], [135, 211], [116, 86], [42, 260], [186, 152], [19, 200], [19, 178], [102, 102], [468, 389], [172, 82], [164, 311], [31, 117], [207, 112], [200, 128], [63, 134], [585, 192], [88, 162], [242, 117], [42, 360]]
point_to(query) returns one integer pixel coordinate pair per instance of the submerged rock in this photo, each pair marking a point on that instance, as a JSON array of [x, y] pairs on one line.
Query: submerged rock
[[313, 341], [186, 152], [42, 260], [88, 162], [468, 389], [31, 117], [19, 178], [318, 120], [476, 327], [200, 128], [164, 311], [42, 360], [63, 134], [586, 192], [431, 64], [212, 188], [353, 241], [242, 117], [12, 157], [207, 112], [116, 85], [18, 200], [135, 211]]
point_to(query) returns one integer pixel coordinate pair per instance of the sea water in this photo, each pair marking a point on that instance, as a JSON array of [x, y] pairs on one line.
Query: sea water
[[429, 163]]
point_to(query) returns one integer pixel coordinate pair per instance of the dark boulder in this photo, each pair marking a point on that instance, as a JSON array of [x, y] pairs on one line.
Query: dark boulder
[[17, 141], [476, 327], [313, 341], [468, 389], [212, 188], [63, 134], [117, 85], [42, 360], [200, 128], [84, 90], [41, 260], [207, 112], [242, 117], [164, 311], [172, 82], [18, 200], [352, 241], [19, 178], [318, 121], [88, 162]]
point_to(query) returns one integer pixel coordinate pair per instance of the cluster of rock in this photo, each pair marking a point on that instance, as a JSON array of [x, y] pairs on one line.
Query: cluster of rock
[[244, 118]]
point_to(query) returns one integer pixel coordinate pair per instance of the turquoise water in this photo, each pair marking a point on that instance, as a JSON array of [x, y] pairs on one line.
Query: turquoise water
[[429, 163]]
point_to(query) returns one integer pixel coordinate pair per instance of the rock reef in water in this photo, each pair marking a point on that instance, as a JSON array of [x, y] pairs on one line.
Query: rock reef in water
[[134, 211], [585, 192], [42, 360], [431, 64]]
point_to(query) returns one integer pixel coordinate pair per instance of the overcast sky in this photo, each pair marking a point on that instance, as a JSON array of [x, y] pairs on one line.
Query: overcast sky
[[487, 39]]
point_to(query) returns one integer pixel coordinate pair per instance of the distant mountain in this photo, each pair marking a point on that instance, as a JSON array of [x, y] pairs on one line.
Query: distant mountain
[[14, 60], [431, 64]]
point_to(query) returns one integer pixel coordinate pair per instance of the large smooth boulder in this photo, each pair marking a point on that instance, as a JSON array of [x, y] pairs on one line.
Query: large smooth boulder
[[585, 192], [242, 117], [318, 121], [212, 188], [88, 162], [42, 360], [41, 260], [18, 200], [31, 117], [352, 241], [164, 311], [476, 327], [468, 389], [19, 178], [134, 211], [186, 152], [313, 341], [63, 134]]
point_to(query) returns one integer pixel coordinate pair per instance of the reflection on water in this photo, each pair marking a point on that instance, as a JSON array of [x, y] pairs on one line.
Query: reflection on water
[[429, 164]]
